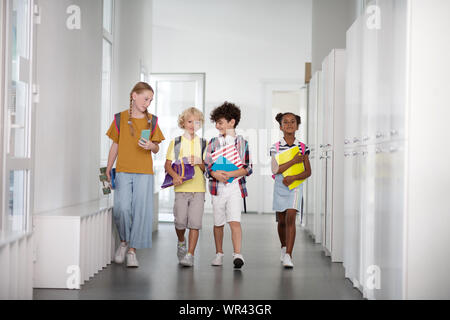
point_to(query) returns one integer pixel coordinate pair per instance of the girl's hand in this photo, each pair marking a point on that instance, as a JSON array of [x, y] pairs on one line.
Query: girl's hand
[[177, 181], [287, 181], [146, 145], [299, 158], [108, 174]]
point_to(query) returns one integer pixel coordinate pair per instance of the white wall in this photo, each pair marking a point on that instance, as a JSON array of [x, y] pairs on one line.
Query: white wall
[[68, 115], [133, 45], [238, 44], [330, 21]]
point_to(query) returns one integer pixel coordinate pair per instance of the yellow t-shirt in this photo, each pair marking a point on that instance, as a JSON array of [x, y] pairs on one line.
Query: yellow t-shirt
[[132, 158], [187, 149]]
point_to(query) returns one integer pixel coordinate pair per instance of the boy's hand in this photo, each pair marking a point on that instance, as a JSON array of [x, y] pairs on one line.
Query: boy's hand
[[177, 181], [220, 176], [287, 181]]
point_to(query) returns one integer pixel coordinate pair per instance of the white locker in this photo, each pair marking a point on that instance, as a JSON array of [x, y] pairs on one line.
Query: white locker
[[403, 230], [352, 191], [312, 143], [331, 136]]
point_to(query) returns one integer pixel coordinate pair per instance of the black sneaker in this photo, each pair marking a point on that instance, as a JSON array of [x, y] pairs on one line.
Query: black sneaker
[[238, 261]]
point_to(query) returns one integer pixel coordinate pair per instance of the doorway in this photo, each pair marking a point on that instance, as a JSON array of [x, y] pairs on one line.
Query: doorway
[[173, 94], [281, 98]]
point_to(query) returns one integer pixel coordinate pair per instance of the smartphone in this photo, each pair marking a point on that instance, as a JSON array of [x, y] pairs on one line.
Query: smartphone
[[145, 134]]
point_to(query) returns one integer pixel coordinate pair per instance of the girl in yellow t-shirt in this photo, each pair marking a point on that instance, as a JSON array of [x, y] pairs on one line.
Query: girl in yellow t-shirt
[[133, 196]]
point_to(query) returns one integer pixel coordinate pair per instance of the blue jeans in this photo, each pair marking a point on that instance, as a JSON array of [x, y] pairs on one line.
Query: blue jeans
[[133, 209]]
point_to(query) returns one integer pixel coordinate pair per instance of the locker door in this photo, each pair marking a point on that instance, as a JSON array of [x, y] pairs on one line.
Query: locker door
[[399, 64], [389, 206], [329, 201], [349, 209], [353, 83], [356, 217], [323, 197], [370, 270]]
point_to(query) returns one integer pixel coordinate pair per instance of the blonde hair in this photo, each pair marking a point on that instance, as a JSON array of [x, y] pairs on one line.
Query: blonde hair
[[190, 112], [138, 88]]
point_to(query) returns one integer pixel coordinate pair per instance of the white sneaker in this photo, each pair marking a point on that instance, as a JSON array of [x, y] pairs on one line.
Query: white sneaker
[[283, 252], [187, 261], [238, 260], [181, 250], [287, 261], [132, 261], [119, 257], [218, 260]]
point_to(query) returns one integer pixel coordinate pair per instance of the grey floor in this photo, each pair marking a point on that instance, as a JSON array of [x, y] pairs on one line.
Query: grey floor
[[262, 277]]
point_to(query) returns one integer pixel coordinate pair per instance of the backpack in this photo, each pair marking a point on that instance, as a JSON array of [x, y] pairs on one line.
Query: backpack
[[153, 122], [177, 147], [277, 146]]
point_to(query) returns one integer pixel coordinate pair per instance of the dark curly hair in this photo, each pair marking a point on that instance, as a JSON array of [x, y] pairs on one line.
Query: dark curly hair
[[280, 117], [228, 111]]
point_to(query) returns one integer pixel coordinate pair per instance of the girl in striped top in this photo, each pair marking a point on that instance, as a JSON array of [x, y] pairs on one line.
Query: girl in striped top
[[287, 203]]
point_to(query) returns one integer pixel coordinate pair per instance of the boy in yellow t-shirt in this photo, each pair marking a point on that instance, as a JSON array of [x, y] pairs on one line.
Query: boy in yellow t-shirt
[[189, 195]]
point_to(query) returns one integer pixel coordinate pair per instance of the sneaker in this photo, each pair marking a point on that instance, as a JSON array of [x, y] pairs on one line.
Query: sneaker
[[119, 257], [287, 262], [187, 261], [238, 260], [283, 252], [218, 260], [132, 260], [181, 250]]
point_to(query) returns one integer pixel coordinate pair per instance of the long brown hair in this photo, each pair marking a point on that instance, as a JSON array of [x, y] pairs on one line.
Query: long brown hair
[[138, 88]]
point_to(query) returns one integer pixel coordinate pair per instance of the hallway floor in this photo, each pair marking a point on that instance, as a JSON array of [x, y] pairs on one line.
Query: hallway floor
[[262, 277]]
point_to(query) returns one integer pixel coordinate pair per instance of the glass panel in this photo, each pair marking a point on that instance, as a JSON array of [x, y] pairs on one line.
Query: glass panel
[[106, 98], [173, 97], [17, 200], [107, 15], [18, 100]]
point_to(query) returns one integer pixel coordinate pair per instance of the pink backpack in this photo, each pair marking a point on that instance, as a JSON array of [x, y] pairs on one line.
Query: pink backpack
[[277, 146]]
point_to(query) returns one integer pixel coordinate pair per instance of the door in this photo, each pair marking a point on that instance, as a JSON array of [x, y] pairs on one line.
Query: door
[[389, 220], [174, 93], [329, 201], [17, 116]]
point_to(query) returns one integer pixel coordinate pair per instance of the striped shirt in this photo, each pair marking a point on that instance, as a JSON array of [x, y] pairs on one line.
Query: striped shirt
[[242, 147], [285, 146]]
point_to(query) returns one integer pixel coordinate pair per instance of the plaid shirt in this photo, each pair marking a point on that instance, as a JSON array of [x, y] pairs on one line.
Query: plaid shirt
[[244, 152]]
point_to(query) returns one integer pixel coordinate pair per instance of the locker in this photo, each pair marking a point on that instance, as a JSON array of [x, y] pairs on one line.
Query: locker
[[331, 146], [396, 249], [312, 142]]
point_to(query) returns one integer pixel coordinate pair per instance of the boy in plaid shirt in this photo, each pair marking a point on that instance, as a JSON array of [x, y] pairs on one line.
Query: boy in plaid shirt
[[227, 197]]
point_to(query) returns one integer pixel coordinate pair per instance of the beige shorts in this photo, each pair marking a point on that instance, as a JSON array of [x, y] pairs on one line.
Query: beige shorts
[[188, 210]]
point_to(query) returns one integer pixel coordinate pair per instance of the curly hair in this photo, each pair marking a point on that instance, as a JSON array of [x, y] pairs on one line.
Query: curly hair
[[280, 116], [228, 111]]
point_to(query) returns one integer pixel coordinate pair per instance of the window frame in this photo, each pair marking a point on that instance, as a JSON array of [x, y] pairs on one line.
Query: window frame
[[106, 113]]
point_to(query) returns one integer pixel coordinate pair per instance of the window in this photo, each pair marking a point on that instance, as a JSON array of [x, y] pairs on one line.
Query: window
[[16, 43], [108, 40]]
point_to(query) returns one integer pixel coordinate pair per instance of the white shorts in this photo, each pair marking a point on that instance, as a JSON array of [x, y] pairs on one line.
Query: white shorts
[[227, 205]]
